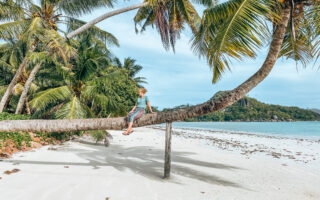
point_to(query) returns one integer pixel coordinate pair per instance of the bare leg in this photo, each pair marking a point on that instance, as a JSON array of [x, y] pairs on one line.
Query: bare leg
[[129, 128]]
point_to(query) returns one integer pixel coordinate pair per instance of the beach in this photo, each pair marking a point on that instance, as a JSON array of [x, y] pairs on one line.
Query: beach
[[204, 165]]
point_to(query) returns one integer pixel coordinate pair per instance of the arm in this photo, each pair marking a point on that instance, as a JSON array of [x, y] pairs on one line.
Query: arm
[[148, 103], [133, 108]]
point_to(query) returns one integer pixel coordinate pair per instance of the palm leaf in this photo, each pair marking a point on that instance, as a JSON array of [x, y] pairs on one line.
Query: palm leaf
[[12, 29], [169, 18], [10, 10], [6, 66], [313, 15], [2, 90], [300, 48], [234, 29], [53, 95], [36, 27], [72, 110], [80, 7], [38, 57]]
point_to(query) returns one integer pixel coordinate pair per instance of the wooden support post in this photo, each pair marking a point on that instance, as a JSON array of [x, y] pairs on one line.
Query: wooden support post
[[167, 159]]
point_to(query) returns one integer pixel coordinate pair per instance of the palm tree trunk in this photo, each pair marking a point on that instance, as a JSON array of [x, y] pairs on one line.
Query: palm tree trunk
[[13, 82], [103, 17], [210, 106], [28, 111], [26, 89]]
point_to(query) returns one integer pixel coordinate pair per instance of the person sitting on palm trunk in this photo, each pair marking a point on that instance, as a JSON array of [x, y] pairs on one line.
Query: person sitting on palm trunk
[[138, 110]]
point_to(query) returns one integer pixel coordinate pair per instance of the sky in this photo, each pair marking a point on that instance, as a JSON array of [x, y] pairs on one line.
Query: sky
[[183, 78]]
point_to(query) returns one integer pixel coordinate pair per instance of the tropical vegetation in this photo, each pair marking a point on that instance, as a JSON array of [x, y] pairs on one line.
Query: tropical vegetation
[[225, 31]]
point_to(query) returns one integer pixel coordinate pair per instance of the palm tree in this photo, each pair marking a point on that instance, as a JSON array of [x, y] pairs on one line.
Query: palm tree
[[28, 20], [80, 94], [59, 51], [11, 54], [169, 21], [133, 69], [228, 30]]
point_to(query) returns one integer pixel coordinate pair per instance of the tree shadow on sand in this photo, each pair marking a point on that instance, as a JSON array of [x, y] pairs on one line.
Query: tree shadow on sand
[[144, 160]]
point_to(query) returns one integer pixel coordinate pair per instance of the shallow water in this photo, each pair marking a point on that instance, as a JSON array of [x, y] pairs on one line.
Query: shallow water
[[296, 129]]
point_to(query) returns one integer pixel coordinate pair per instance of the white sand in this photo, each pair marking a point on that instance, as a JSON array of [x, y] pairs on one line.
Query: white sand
[[132, 168]]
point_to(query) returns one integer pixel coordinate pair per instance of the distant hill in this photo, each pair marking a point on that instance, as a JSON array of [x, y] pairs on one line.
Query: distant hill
[[316, 110], [250, 109]]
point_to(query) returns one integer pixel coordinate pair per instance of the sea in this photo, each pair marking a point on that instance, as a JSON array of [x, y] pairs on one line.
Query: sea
[[301, 129]]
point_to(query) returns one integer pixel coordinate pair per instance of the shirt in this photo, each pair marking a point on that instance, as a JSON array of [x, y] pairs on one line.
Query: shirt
[[142, 102]]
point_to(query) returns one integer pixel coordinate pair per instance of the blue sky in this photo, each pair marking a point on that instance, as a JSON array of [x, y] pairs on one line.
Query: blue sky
[[183, 78]]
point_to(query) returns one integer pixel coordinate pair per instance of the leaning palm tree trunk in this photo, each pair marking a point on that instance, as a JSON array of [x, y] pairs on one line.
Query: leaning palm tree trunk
[[103, 17], [28, 111], [26, 89], [210, 106], [13, 82]]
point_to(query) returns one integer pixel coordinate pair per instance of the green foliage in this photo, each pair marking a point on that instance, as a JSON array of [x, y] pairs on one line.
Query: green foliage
[[72, 110], [16, 137], [63, 136], [95, 84], [232, 29], [98, 135], [169, 17], [132, 68], [236, 29], [43, 98], [9, 116]]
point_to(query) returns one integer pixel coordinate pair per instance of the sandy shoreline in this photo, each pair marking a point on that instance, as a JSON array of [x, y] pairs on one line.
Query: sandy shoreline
[[204, 166], [303, 150]]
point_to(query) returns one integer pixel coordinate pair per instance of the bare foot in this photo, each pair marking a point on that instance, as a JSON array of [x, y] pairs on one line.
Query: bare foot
[[127, 132]]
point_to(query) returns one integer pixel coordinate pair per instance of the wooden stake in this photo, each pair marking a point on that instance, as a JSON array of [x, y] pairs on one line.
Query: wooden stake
[[167, 159]]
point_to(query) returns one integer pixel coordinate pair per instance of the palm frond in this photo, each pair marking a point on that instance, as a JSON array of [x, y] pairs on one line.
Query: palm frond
[[2, 90], [53, 95], [299, 48], [80, 7], [313, 14], [73, 109], [169, 18], [38, 57], [33, 88], [58, 46], [10, 10], [14, 29], [6, 66], [234, 29], [36, 25], [206, 2], [13, 52]]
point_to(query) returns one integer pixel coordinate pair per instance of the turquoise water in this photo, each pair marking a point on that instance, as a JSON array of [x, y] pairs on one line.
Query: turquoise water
[[297, 129]]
